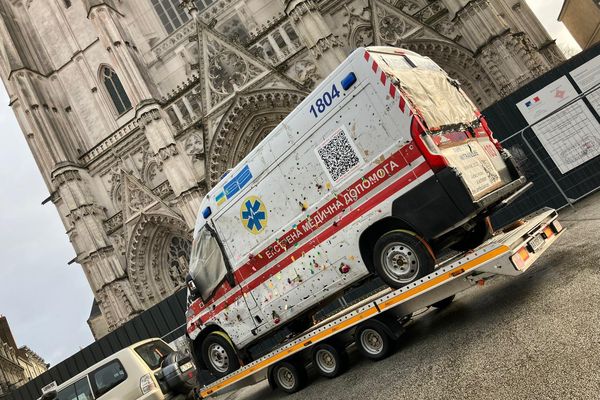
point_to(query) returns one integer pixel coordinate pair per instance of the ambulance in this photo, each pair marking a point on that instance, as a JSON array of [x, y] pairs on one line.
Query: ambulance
[[384, 165]]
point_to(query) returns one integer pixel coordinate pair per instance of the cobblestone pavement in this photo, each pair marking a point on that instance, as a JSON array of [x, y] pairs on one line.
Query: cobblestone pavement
[[536, 336]]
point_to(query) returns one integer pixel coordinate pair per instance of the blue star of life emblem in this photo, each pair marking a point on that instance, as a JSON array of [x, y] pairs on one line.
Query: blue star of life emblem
[[254, 214]]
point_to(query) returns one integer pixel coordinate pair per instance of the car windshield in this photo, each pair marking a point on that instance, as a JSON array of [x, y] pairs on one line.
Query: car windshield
[[153, 353], [207, 265]]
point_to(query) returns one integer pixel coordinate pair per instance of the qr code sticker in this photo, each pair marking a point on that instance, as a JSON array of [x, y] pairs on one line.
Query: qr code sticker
[[338, 155]]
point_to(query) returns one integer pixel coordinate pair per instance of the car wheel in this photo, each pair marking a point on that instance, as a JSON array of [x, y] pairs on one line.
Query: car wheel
[[400, 258], [219, 355]]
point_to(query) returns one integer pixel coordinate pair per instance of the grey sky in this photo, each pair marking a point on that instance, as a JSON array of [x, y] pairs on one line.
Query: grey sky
[[47, 302]]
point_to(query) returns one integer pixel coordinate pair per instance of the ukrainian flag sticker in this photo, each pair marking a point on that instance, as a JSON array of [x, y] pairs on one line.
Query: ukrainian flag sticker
[[220, 198]]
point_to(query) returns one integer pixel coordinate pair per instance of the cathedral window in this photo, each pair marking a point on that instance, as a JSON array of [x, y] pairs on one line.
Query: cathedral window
[[115, 90], [172, 15]]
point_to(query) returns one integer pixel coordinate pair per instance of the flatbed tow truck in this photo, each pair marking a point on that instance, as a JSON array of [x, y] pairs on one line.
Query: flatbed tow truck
[[376, 321]]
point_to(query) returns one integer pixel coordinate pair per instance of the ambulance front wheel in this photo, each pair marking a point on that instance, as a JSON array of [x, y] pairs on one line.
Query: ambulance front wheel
[[219, 355], [400, 258]]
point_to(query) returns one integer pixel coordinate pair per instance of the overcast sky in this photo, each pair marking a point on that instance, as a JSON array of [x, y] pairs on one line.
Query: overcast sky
[[47, 302]]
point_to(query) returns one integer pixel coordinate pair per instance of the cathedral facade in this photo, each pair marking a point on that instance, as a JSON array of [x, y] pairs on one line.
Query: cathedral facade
[[134, 109]]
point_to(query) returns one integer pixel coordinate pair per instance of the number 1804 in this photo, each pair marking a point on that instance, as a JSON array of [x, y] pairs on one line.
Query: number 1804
[[324, 101]]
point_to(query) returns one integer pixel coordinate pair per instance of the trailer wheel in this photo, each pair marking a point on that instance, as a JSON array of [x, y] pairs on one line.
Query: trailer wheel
[[373, 340], [289, 377], [400, 258], [329, 360], [444, 302], [219, 355]]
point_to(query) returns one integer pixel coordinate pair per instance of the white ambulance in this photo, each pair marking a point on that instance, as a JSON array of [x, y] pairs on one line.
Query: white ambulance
[[386, 163]]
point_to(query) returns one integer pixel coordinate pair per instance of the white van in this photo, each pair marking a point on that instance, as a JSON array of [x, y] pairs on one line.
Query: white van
[[136, 372], [385, 164]]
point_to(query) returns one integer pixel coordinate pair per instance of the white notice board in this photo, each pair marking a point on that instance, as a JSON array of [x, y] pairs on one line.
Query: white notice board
[[572, 136], [587, 76]]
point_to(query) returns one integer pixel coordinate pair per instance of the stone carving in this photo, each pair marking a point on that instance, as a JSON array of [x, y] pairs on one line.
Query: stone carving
[[167, 152], [115, 191], [359, 31], [227, 71], [114, 223], [391, 26], [194, 146], [163, 190], [391, 29], [306, 71], [136, 200], [410, 6], [147, 117], [323, 45]]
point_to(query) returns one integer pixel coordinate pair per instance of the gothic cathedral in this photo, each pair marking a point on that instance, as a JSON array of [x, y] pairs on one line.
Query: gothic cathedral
[[134, 109]]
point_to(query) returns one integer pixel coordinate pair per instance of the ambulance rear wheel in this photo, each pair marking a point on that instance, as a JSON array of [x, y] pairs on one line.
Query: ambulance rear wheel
[[219, 355], [400, 258]]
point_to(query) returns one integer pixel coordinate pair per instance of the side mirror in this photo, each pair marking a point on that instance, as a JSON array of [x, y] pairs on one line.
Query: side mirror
[[191, 286]]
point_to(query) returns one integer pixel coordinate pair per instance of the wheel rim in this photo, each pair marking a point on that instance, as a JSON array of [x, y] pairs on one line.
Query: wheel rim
[[325, 361], [400, 262], [371, 341], [218, 358], [286, 378]]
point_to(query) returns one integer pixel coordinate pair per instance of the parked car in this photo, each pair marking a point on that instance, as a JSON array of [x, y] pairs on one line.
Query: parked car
[[148, 370], [386, 163]]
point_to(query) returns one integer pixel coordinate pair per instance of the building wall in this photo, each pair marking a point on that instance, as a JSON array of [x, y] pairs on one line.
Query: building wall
[[582, 19], [17, 365], [127, 181]]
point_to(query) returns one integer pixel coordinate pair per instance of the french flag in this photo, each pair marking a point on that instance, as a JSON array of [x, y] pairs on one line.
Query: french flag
[[532, 102]]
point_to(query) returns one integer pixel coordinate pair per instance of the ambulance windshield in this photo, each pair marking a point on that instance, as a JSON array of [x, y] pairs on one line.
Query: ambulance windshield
[[207, 265], [436, 96]]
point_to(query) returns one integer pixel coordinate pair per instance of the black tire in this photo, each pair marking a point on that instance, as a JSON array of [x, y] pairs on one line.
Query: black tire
[[473, 238], [400, 257], [444, 302], [218, 354], [373, 341], [289, 377], [330, 361]]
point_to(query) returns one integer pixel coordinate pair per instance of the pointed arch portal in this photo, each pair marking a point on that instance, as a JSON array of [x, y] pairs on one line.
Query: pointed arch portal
[[247, 121], [158, 254]]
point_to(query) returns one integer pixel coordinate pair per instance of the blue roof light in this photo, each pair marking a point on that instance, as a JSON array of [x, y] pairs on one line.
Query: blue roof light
[[207, 212], [348, 81]]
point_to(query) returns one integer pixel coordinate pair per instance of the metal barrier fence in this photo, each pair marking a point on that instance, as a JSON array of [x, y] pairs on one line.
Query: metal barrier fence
[[551, 187]]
